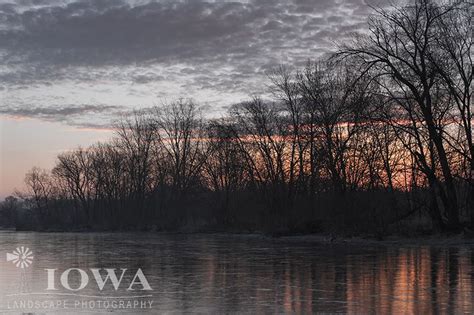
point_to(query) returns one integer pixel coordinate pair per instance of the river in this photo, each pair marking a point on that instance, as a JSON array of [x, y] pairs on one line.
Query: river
[[220, 274]]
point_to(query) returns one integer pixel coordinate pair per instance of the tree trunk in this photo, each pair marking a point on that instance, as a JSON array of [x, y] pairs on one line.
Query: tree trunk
[[451, 204], [471, 186]]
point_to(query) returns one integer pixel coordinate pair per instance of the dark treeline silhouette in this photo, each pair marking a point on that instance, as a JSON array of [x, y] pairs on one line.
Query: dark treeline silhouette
[[379, 134]]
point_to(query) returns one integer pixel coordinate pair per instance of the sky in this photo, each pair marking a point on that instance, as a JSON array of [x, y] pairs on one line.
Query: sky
[[69, 68]]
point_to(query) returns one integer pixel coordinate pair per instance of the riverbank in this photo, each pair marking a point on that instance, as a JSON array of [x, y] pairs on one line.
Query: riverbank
[[463, 238]]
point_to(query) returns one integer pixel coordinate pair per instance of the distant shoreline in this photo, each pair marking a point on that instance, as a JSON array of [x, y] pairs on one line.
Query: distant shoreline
[[328, 239]]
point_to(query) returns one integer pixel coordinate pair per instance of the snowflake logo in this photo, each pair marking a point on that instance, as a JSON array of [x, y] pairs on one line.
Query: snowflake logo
[[21, 257]]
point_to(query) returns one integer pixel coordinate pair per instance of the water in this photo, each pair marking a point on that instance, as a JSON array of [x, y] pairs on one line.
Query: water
[[245, 274]]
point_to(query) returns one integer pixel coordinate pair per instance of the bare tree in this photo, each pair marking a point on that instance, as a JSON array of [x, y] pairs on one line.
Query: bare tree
[[181, 132], [40, 191], [398, 53], [332, 102], [224, 170], [136, 137]]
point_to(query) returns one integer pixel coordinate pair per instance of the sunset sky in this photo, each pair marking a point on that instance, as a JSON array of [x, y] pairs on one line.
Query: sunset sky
[[69, 68]]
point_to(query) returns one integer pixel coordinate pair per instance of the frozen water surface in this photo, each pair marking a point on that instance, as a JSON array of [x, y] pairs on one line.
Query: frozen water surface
[[238, 274]]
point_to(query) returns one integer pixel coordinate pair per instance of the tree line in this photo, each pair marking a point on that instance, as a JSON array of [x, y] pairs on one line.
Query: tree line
[[378, 133]]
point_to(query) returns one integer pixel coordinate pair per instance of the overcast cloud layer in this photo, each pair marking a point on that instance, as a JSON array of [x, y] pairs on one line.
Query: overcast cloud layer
[[96, 56]]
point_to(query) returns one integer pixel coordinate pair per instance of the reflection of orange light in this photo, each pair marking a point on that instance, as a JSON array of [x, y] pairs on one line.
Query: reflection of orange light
[[288, 294], [402, 283]]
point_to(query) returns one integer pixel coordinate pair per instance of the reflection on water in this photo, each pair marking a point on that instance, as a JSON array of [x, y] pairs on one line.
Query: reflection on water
[[222, 274]]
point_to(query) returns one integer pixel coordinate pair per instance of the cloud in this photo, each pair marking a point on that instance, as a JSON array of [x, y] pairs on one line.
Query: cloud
[[59, 113], [215, 46], [147, 78], [117, 32], [114, 32]]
